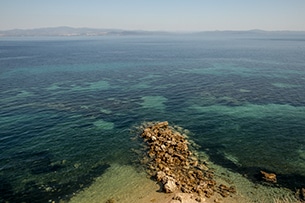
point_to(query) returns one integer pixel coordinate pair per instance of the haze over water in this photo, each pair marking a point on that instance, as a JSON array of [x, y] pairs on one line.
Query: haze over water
[[67, 105]]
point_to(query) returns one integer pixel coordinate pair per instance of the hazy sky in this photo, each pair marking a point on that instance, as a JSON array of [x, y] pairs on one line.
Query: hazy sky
[[171, 15]]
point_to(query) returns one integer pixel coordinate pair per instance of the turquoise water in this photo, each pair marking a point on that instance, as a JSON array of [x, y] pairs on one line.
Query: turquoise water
[[68, 105]]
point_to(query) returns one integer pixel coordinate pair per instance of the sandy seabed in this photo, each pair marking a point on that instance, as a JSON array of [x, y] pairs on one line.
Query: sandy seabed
[[127, 184]]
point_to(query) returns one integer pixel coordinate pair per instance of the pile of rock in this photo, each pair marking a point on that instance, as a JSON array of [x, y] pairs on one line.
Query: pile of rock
[[173, 165]]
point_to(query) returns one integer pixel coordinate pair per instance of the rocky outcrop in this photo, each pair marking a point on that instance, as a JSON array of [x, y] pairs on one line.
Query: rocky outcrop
[[173, 164]]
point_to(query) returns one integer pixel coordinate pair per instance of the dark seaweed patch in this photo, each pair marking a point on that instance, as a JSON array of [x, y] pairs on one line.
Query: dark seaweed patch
[[51, 191], [6, 190]]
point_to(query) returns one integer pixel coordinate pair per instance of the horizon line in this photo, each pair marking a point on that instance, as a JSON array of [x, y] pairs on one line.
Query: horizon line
[[148, 30]]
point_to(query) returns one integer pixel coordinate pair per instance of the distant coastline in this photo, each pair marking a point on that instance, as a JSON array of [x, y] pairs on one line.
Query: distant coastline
[[70, 31]]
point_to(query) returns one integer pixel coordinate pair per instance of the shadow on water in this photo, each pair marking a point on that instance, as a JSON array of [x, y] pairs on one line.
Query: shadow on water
[[290, 181], [38, 163]]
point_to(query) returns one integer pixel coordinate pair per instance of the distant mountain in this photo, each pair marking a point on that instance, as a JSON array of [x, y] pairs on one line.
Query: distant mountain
[[252, 32], [69, 31]]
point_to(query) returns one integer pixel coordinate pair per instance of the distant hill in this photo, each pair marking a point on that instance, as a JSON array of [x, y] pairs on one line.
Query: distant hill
[[255, 32], [69, 31]]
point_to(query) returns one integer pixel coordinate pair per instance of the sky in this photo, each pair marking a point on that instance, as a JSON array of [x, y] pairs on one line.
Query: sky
[[155, 15]]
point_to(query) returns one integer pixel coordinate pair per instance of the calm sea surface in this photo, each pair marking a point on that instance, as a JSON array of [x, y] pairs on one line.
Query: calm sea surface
[[67, 106]]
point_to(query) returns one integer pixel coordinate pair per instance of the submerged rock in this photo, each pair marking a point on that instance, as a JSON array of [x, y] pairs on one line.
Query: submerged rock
[[303, 194], [269, 177], [225, 191], [172, 163], [300, 194]]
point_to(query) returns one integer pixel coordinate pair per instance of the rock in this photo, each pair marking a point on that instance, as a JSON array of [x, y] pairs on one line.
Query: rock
[[110, 200], [168, 182], [161, 177], [175, 201], [202, 167], [163, 147], [186, 198], [199, 199], [160, 125], [225, 190], [269, 177], [178, 197], [303, 194], [170, 186]]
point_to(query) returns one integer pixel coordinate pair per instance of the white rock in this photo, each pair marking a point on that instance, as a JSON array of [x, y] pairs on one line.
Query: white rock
[[170, 186]]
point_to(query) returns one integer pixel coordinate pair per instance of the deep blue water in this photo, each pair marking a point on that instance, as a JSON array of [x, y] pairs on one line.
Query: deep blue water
[[67, 105]]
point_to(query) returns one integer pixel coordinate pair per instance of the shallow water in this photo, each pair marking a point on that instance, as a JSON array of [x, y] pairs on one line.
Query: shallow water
[[67, 106]]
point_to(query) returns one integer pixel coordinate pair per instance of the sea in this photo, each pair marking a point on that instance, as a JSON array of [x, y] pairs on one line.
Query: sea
[[69, 107]]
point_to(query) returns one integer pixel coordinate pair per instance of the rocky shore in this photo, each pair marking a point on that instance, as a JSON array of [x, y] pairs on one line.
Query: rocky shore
[[171, 162]]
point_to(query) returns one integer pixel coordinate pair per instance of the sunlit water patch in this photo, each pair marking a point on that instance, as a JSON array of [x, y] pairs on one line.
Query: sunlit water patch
[[103, 125], [154, 102]]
